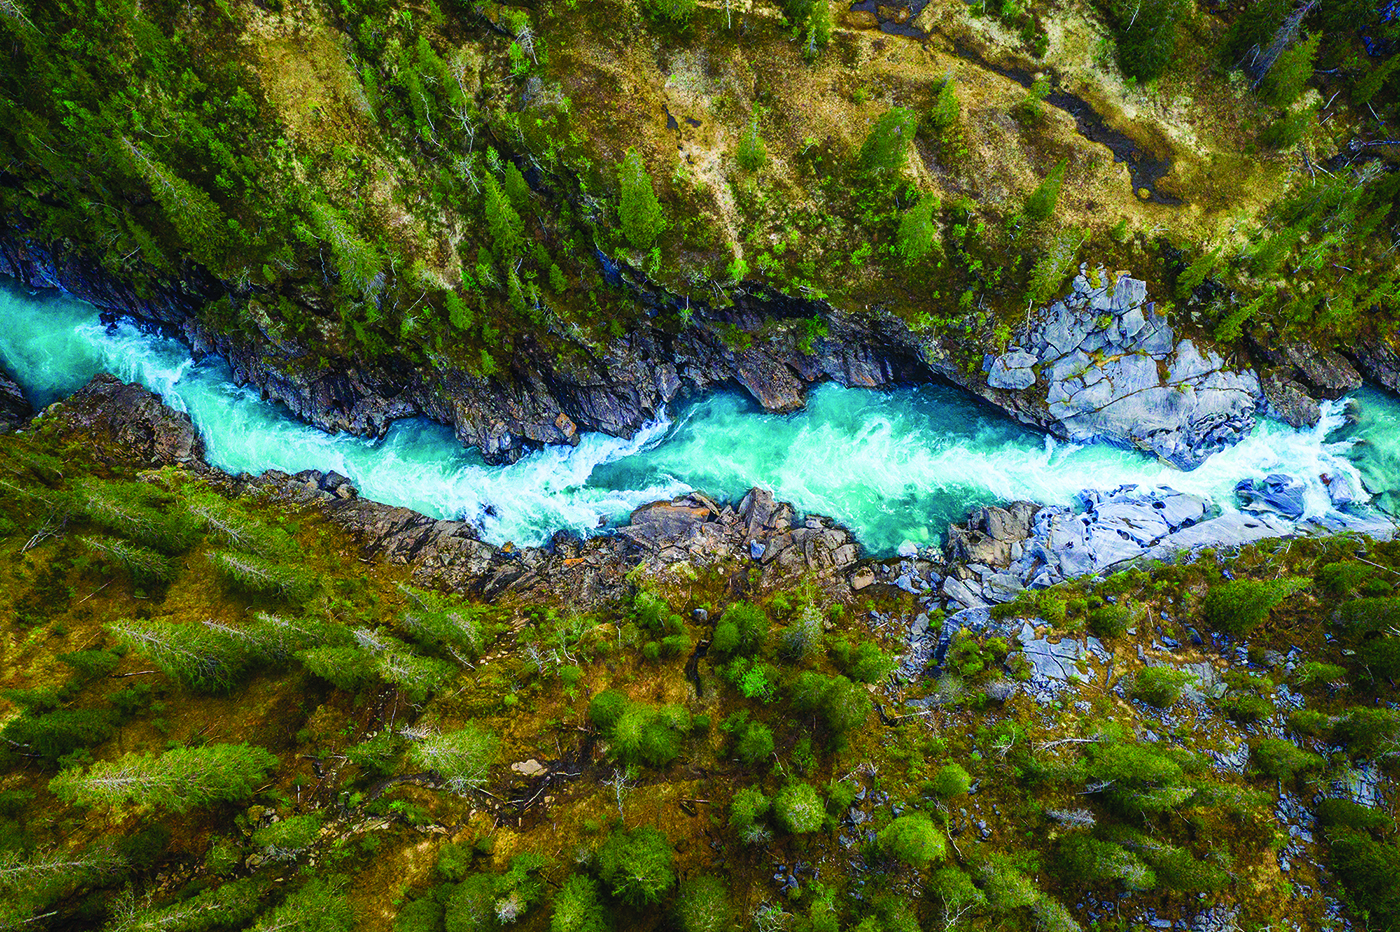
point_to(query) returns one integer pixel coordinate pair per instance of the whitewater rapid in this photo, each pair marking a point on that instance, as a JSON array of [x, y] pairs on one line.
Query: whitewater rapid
[[893, 466]]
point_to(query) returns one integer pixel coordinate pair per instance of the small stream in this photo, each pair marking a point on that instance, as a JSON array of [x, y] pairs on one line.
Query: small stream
[[894, 466]]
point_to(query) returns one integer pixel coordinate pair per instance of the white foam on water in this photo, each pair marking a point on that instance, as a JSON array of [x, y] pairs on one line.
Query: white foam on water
[[894, 466]]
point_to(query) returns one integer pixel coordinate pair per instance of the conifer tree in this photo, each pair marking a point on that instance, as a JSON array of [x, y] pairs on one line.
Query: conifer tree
[[752, 151], [1045, 198], [1193, 275], [506, 228], [888, 141], [1290, 73], [642, 218], [1147, 36], [144, 566], [917, 230], [462, 758], [176, 781], [194, 215], [358, 263], [578, 908], [198, 656], [231, 904], [320, 906], [639, 866], [263, 576]]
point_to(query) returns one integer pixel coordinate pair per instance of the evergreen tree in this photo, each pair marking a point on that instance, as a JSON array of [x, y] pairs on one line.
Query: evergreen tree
[[193, 213], [638, 866], [138, 512], [702, 905], [1290, 73], [1366, 88], [53, 735], [221, 907], [262, 576], [752, 151], [577, 907], [798, 808], [913, 839], [1147, 36], [1191, 278], [146, 567], [461, 758], [320, 906], [201, 657], [1055, 264], [642, 219], [1045, 198], [515, 187], [358, 263], [176, 781], [917, 230], [504, 224], [888, 141], [945, 113]]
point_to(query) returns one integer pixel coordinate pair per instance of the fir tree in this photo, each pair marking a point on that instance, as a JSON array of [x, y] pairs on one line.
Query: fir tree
[[504, 224], [1147, 37], [146, 567], [753, 154], [358, 263], [1290, 73], [642, 219], [231, 904], [917, 230], [1050, 270], [262, 576], [320, 906], [888, 141], [1193, 275], [198, 656], [176, 781], [1045, 198], [461, 758], [194, 215]]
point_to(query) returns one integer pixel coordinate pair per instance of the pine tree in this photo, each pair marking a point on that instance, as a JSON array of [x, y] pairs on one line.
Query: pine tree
[[194, 215], [578, 908], [462, 758], [176, 781], [1147, 37], [1365, 89], [358, 263], [639, 866], [1191, 278], [917, 230], [198, 656], [229, 905], [885, 146], [145, 567], [262, 576], [53, 735], [136, 511], [320, 906], [945, 113], [642, 218], [1050, 270], [504, 224], [1045, 198], [1290, 73], [752, 151]]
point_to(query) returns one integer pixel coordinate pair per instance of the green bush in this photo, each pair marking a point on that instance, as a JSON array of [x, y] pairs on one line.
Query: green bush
[[1110, 621], [1282, 760], [673, 12], [1080, 858], [1147, 36], [638, 866], [951, 781], [702, 905], [753, 154], [798, 808], [639, 210], [649, 734], [748, 806], [885, 146], [54, 735], [606, 708], [754, 744], [917, 232], [1370, 733], [914, 840], [743, 629], [286, 839], [577, 907], [1239, 606], [1158, 686], [1046, 197]]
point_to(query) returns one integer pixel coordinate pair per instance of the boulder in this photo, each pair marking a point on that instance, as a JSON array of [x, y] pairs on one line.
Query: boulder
[[129, 423], [15, 410]]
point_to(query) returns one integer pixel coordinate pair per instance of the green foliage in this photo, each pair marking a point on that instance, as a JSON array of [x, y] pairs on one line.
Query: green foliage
[[53, 735], [1370, 733], [1080, 858], [263, 577], [176, 781], [232, 904], [702, 905], [1283, 760], [841, 704], [1290, 73], [754, 744], [91, 664], [753, 154], [1237, 607], [1110, 621], [952, 781], [606, 708], [865, 663], [639, 210], [743, 629], [748, 806], [146, 567], [203, 657], [506, 228], [1288, 130], [461, 758], [1147, 36], [1159, 686], [1054, 265], [649, 734], [798, 808], [139, 512], [320, 906], [673, 12], [914, 840], [289, 837], [358, 262], [577, 907], [1193, 275], [884, 149], [638, 866], [1046, 197], [918, 233]]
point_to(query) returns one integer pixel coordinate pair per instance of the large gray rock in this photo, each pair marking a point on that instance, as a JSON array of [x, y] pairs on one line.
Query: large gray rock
[[1115, 370], [15, 409]]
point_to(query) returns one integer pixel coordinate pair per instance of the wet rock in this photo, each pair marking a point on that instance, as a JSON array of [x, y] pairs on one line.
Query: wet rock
[[129, 423], [15, 410], [1277, 493]]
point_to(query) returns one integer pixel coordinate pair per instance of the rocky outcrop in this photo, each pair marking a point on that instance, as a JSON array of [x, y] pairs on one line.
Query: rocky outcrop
[[15, 410], [1099, 365], [128, 423], [1378, 358], [1112, 368]]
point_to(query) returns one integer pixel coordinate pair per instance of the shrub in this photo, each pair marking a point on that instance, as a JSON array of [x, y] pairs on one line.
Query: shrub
[[798, 808], [943, 116], [1290, 73], [1080, 858], [746, 629], [649, 734], [702, 905], [1310, 722], [1110, 621], [1282, 760], [286, 839], [951, 781], [642, 219], [1313, 674], [748, 806], [577, 907], [1239, 606], [913, 840], [606, 708], [674, 12], [1159, 686], [461, 758], [638, 866], [754, 744], [1370, 733]]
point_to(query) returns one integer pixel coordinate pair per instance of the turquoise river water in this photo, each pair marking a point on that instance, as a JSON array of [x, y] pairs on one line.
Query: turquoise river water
[[894, 466]]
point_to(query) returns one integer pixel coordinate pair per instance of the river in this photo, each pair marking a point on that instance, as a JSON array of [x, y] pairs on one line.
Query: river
[[894, 466]]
